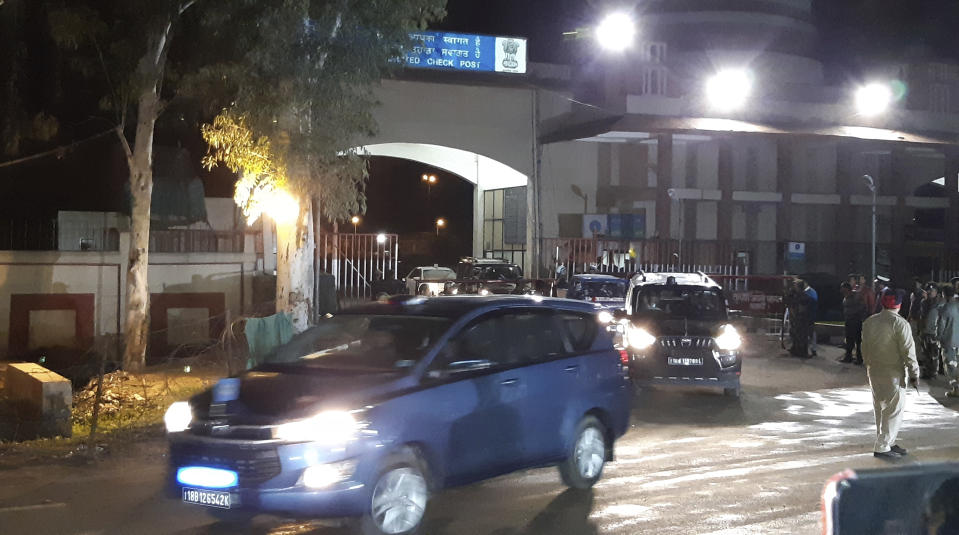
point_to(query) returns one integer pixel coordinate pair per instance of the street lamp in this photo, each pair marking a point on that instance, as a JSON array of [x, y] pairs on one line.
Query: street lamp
[[872, 187], [616, 32], [729, 89], [381, 238], [674, 195], [356, 221], [430, 180], [873, 99], [439, 224]]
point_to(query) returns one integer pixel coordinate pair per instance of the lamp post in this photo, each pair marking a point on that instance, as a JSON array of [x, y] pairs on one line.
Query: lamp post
[[356, 221], [674, 195], [616, 32], [872, 187], [430, 180], [439, 224]]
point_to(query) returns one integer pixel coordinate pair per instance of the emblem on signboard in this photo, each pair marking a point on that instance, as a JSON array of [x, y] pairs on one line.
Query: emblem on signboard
[[511, 47]]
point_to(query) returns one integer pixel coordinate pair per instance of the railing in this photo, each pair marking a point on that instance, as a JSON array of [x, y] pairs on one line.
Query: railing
[[33, 234], [358, 261], [196, 241]]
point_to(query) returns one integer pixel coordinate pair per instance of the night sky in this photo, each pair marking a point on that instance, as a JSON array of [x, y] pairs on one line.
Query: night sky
[[853, 33]]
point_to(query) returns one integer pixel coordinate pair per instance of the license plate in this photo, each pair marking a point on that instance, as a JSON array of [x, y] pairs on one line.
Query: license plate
[[673, 361], [210, 498]]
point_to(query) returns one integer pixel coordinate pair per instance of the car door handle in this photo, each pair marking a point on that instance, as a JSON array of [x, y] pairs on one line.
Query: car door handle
[[509, 382], [573, 368]]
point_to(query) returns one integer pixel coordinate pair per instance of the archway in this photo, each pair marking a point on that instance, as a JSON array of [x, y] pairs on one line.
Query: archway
[[501, 198]]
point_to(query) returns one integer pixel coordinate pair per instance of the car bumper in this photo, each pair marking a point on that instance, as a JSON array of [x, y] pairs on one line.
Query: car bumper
[[653, 368], [277, 490]]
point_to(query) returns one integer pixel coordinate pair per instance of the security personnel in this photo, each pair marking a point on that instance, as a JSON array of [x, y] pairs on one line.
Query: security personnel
[[949, 339], [890, 355], [929, 348]]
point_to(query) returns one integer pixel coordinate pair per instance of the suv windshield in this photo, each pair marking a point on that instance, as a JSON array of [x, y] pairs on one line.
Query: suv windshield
[[493, 273], [683, 302], [438, 274], [363, 342], [586, 289]]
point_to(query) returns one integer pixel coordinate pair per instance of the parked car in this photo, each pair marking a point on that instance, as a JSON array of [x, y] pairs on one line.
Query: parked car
[[373, 410], [485, 276], [678, 332], [605, 290], [429, 281]]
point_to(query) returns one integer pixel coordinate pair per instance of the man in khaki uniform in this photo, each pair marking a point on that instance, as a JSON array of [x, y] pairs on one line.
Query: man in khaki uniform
[[890, 355]]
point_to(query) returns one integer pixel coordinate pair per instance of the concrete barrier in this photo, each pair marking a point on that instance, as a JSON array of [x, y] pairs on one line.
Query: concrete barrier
[[43, 400]]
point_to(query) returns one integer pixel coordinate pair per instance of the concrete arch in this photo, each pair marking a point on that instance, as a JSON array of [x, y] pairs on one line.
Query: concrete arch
[[484, 172]]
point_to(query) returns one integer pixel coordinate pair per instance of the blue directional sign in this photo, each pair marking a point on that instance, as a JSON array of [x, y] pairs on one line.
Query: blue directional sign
[[466, 52]]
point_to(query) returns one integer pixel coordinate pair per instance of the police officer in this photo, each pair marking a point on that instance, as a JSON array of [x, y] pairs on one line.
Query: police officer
[[890, 355], [853, 311], [949, 339], [929, 348]]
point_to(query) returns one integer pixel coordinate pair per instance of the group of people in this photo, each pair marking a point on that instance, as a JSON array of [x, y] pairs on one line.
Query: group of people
[[931, 311], [884, 327], [802, 308]]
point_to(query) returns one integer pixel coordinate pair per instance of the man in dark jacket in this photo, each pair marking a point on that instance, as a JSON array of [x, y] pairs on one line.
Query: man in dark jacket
[[854, 312], [929, 349]]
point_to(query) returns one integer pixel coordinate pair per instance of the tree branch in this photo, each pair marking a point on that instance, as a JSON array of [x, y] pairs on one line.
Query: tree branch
[[124, 143]]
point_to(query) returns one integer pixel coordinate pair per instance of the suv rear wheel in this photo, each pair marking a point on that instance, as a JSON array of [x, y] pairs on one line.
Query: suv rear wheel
[[584, 465]]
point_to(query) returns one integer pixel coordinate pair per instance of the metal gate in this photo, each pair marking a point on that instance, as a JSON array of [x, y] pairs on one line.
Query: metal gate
[[358, 261]]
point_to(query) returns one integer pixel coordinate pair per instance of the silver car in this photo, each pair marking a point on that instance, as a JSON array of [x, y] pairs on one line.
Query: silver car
[[429, 280]]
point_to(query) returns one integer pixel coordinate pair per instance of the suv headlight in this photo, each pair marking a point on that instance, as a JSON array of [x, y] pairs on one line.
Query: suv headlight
[[329, 428], [729, 339], [178, 417], [639, 338]]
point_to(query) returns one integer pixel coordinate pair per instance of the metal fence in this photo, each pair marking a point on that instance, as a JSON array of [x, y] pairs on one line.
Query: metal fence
[[358, 261]]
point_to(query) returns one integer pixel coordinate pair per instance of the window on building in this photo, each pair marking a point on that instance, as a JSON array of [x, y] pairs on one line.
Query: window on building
[[504, 224]]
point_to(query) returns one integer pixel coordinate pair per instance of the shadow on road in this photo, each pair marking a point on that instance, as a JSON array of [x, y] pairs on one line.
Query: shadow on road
[[568, 514], [683, 406]]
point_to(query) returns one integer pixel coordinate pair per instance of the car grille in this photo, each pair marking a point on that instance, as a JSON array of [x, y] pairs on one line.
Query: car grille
[[208, 428], [253, 464], [686, 342]]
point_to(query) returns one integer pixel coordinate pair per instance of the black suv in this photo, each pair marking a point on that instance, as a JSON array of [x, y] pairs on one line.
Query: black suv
[[677, 331], [485, 276]]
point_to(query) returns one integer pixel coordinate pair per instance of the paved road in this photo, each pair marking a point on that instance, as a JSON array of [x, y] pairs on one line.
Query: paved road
[[693, 462]]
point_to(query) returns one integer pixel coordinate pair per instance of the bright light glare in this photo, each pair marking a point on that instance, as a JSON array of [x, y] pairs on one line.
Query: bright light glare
[[729, 89], [440, 222], [616, 32], [729, 339], [639, 338], [177, 418], [210, 478], [281, 206], [483, 291], [873, 99], [323, 475], [604, 316], [328, 428], [355, 219], [381, 239]]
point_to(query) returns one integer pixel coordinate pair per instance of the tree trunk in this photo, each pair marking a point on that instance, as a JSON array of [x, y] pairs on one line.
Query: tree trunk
[[136, 329], [140, 161], [294, 267]]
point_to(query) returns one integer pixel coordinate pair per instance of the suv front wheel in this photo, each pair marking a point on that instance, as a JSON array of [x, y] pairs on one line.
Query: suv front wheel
[[584, 465]]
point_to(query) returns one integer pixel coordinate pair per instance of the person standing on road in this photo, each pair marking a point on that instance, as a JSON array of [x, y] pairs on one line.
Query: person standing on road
[[890, 355], [949, 339], [867, 294], [813, 304], [853, 311], [914, 314], [929, 348]]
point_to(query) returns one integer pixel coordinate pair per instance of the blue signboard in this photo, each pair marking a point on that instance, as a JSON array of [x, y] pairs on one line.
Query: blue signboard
[[466, 52], [628, 226]]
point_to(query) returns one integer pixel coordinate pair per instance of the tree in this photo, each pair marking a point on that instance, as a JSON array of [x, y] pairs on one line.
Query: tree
[[303, 98], [297, 71]]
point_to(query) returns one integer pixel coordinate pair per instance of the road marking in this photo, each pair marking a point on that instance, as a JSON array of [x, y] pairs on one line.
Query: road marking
[[16, 508]]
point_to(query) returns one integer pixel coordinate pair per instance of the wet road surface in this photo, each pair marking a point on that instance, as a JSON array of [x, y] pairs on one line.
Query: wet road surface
[[694, 461]]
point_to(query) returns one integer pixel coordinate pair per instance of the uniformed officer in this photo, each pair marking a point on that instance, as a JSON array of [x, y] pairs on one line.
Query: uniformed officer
[[929, 348], [949, 339], [890, 355]]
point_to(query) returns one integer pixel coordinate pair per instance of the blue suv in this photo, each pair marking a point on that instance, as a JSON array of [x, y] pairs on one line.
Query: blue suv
[[372, 410]]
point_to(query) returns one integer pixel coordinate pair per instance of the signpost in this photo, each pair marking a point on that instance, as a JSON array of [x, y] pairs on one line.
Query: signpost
[[466, 52]]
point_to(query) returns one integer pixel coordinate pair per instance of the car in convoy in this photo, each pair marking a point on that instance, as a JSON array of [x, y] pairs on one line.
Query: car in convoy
[[607, 291], [676, 327], [429, 280], [485, 276], [374, 409]]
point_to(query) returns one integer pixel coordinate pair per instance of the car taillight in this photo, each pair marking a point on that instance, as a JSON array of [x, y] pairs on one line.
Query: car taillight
[[624, 357]]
